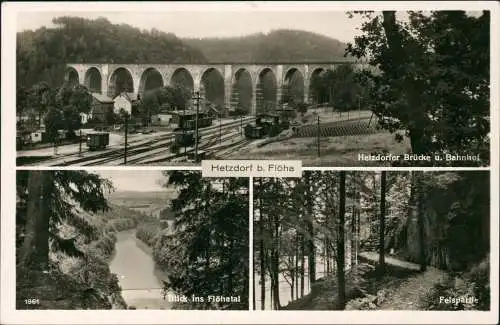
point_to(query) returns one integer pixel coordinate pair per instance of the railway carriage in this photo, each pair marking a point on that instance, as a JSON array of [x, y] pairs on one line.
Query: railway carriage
[[97, 140], [184, 124], [253, 131], [183, 139], [266, 125], [186, 120]]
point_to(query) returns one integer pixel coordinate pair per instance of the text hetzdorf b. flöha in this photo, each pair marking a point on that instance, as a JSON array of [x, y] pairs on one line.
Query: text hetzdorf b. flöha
[[256, 168]]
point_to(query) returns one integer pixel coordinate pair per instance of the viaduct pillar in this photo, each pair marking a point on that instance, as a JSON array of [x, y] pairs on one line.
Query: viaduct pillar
[[253, 109], [104, 79], [228, 84], [279, 84]]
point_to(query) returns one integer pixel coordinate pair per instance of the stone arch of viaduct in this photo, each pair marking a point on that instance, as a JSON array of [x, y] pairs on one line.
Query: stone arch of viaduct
[[100, 77]]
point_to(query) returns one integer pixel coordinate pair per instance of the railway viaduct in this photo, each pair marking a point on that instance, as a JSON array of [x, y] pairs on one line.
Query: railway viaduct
[[111, 79]]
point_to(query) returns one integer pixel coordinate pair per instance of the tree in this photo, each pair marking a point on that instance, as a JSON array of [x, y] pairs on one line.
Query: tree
[[73, 100], [122, 116], [173, 97], [308, 180], [48, 198], [420, 220], [181, 97], [381, 243], [262, 255], [149, 105], [301, 108], [340, 87], [35, 249], [211, 222], [21, 100], [341, 245], [54, 121], [41, 97], [432, 79]]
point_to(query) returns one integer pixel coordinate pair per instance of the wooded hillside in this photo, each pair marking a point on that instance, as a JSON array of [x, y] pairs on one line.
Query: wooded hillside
[[42, 54], [279, 45]]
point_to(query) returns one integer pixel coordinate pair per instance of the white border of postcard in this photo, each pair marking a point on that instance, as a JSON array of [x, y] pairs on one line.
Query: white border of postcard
[[11, 316]]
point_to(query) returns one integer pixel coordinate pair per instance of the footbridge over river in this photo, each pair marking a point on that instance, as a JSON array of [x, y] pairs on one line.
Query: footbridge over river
[[244, 85]]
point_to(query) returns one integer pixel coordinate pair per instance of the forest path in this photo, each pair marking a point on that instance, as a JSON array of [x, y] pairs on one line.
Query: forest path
[[408, 295], [401, 288], [405, 294], [373, 257]]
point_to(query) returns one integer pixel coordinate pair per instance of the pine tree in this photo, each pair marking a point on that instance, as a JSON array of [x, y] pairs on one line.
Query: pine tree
[[381, 243], [208, 251], [49, 198], [340, 244]]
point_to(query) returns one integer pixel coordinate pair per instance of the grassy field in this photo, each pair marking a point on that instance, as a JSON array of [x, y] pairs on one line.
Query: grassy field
[[145, 202], [334, 151]]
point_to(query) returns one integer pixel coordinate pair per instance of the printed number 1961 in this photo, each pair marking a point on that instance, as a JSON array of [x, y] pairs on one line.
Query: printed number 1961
[[32, 301]]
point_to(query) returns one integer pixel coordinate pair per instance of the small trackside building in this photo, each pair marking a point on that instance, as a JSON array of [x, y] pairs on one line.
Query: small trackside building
[[127, 102], [101, 107]]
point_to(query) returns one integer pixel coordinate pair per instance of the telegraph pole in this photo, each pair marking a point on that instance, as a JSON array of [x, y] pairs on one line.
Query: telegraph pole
[[126, 138], [359, 105], [80, 142], [319, 149], [184, 130], [197, 99]]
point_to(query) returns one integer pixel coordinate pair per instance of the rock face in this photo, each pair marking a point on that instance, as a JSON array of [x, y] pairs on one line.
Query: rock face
[[368, 302], [56, 290]]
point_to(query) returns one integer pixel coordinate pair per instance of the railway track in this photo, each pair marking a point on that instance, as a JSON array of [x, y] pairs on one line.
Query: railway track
[[139, 150], [158, 157], [149, 154], [224, 151], [206, 144]]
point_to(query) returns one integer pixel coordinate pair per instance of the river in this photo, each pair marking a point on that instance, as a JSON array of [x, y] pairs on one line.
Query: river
[[139, 279]]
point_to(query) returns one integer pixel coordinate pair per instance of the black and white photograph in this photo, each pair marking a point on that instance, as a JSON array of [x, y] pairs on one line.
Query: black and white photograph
[[131, 240], [366, 240], [264, 162], [327, 87]]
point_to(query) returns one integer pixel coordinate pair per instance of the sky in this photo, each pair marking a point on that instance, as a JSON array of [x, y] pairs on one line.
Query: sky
[[134, 180], [200, 24], [225, 19]]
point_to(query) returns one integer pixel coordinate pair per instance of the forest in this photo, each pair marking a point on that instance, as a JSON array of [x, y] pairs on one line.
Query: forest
[[341, 88], [206, 251], [372, 241], [282, 45], [432, 83], [42, 54]]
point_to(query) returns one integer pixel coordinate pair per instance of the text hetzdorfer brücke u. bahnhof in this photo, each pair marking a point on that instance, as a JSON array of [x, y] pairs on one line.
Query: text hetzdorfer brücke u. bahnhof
[[415, 157]]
